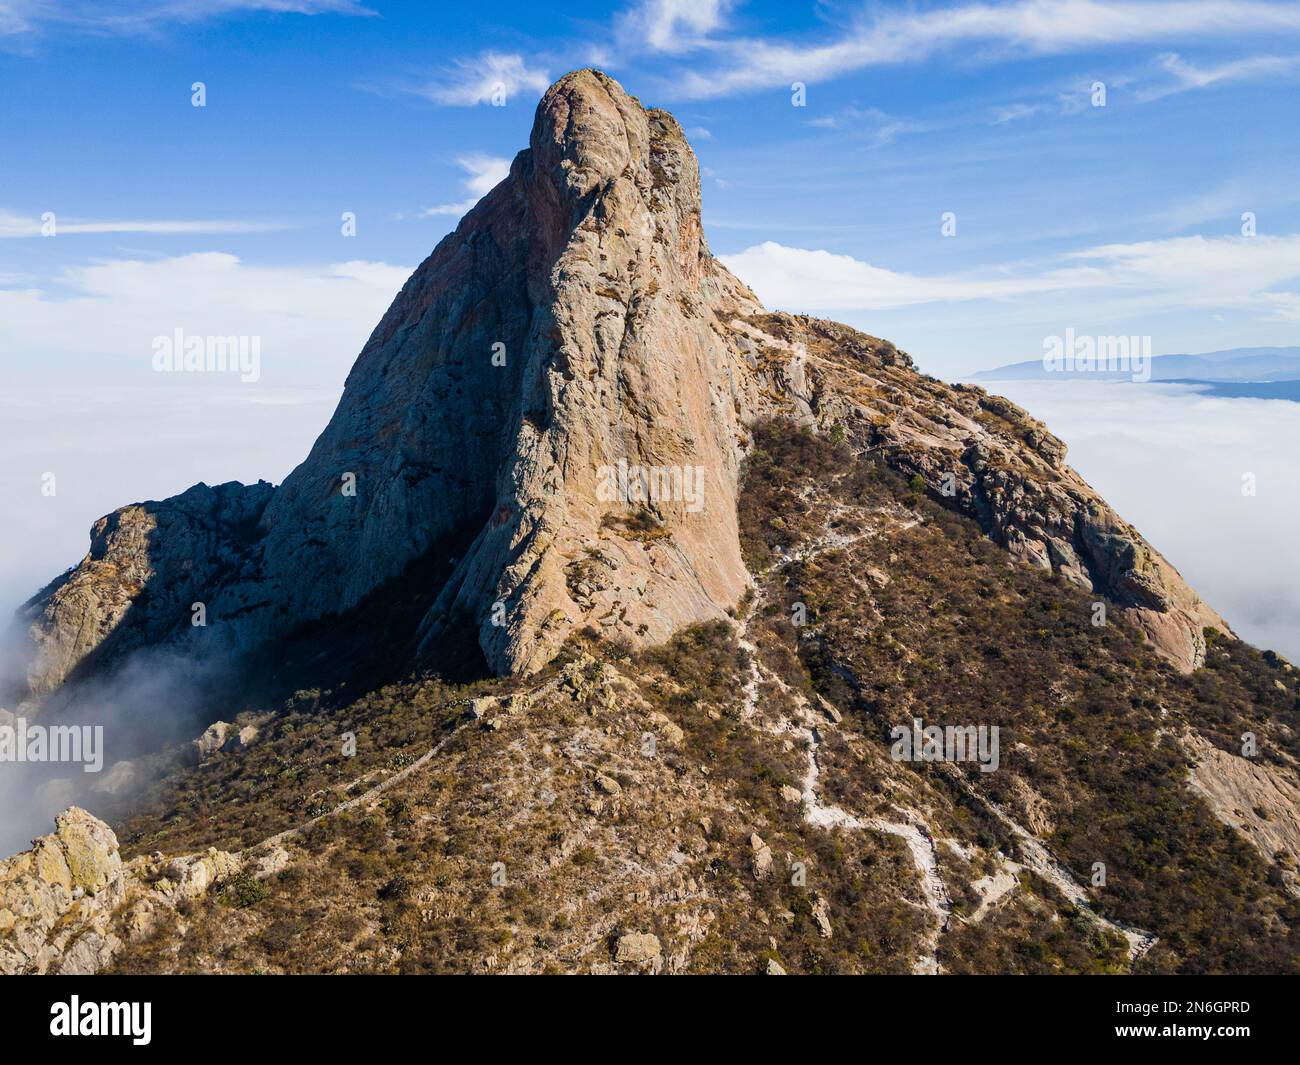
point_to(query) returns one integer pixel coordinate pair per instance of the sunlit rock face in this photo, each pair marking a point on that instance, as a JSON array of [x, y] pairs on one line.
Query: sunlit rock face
[[556, 407]]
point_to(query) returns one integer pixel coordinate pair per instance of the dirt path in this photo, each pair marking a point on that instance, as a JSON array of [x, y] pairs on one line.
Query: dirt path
[[912, 829], [373, 793], [1041, 861]]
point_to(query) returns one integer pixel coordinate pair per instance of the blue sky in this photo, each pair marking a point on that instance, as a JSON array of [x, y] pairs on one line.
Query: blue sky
[[225, 220], [1117, 219]]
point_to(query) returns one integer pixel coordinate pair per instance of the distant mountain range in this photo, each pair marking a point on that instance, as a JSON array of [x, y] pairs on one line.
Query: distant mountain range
[[1267, 373]]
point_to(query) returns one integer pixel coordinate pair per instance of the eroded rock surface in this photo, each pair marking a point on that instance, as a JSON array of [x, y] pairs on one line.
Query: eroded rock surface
[[1258, 800], [573, 332], [57, 899]]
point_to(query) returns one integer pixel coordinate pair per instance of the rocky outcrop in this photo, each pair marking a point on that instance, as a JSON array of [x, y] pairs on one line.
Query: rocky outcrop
[[567, 330], [641, 950], [57, 899], [1256, 799], [223, 736], [68, 905], [147, 566], [554, 410]]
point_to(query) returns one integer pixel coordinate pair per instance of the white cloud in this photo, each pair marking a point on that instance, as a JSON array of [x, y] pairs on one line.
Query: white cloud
[[128, 17], [1066, 103], [1196, 272], [485, 173], [1027, 27], [14, 225], [1015, 112], [804, 278], [883, 127], [1168, 75], [662, 26], [490, 76], [1200, 271], [97, 320], [1187, 76], [672, 25]]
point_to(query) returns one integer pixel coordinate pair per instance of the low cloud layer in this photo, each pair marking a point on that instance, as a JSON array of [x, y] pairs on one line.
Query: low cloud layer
[[107, 448], [1171, 461], [98, 320]]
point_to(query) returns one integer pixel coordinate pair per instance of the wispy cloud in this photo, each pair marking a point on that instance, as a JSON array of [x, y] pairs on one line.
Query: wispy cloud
[[490, 77], [665, 27], [15, 225], [1244, 272], [485, 173], [1185, 76], [880, 127], [1024, 27], [126, 17], [1238, 272], [672, 25], [1065, 103], [12, 20], [1167, 75]]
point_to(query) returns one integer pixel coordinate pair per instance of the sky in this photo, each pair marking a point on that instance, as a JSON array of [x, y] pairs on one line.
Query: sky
[[962, 178], [1117, 219]]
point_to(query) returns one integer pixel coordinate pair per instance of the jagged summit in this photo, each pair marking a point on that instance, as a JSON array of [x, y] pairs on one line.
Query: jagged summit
[[545, 431], [572, 436]]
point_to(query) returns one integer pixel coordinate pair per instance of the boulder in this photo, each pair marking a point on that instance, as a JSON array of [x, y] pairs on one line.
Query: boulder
[[213, 739], [640, 949], [90, 848], [761, 858], [58, 899], [665, 730], [821, 915]]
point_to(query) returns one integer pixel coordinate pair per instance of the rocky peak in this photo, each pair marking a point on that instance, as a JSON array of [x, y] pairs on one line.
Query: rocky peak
[[544, 433], [603, 158]]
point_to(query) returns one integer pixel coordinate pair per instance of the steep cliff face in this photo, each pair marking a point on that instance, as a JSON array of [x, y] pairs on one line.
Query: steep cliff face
[[559, 401], [147, 565]]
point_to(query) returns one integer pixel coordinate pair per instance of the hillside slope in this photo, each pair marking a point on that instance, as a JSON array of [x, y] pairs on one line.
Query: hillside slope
[[672, 740], [732, 794]]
